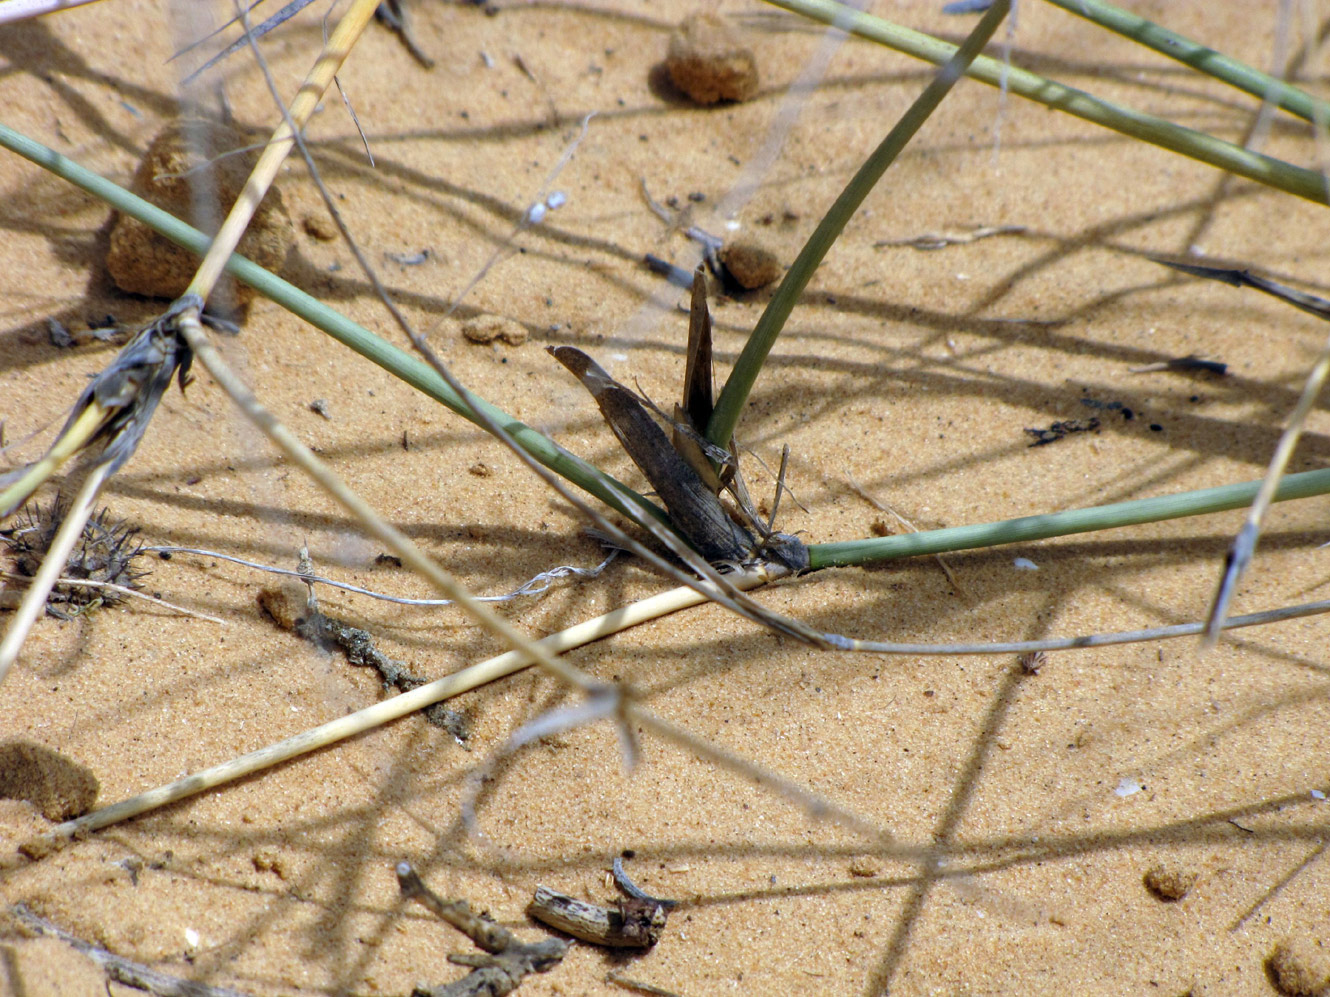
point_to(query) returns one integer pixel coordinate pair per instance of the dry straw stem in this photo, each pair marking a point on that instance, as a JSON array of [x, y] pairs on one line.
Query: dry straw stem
[[21, 10], [334, 53], [642, 611], [121, 590], [34, 600], [354, 504], [388, 710]]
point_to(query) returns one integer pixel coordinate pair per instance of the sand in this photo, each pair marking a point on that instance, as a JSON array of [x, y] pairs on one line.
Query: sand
[[1012, 849]]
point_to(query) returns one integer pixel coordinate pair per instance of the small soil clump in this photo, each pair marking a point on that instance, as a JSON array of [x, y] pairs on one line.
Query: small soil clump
[[1300, 968], [709, 63], [1168, 883], [59, 787], [752, 266], [190, 162], [488, 328]]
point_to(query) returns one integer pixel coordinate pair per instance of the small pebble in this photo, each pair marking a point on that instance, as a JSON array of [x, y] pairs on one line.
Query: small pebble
[[752, 266], [1168, 883], [321, 227], [709, 63], [1300, 968], [488, 328]]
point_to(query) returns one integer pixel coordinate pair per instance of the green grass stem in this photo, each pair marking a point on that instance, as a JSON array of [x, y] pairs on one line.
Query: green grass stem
[[1057, 524], [733, 397], [1200, 58], [420, 376], [1196, 145]]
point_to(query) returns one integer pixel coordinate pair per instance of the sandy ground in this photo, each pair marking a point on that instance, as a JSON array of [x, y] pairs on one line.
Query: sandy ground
[[1015, 863]]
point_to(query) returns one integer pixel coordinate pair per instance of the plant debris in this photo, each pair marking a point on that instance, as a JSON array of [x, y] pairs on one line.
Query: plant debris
[[1103, 406], [105, 553], [304, 618], [507, 962], [1031, 662], [1063, 428], [392, 14], [941, 240], [681, 471], [635, 922], [630, 924]]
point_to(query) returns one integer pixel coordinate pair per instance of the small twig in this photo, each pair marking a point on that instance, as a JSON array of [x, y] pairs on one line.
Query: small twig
[[632, 889], [120, 969], [510, 960], [358, 645], [1191, 362], [941, 240], [631, 924], [393, 15]]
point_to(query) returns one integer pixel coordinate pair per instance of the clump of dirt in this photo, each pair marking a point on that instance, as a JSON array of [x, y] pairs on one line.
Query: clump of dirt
[[59, 787], [708, 61], [195, 162]]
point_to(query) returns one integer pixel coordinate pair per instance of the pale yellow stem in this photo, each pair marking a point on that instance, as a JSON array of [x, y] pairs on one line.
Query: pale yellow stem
[[330, 60], [34, 600], [390, 709], [396, 540], [70, 442]]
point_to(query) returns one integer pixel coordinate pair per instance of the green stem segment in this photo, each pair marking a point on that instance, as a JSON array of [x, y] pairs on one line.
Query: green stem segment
[[1196, 145], [1056, 524], [729, 406], [397, 362], [1199, 57]]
